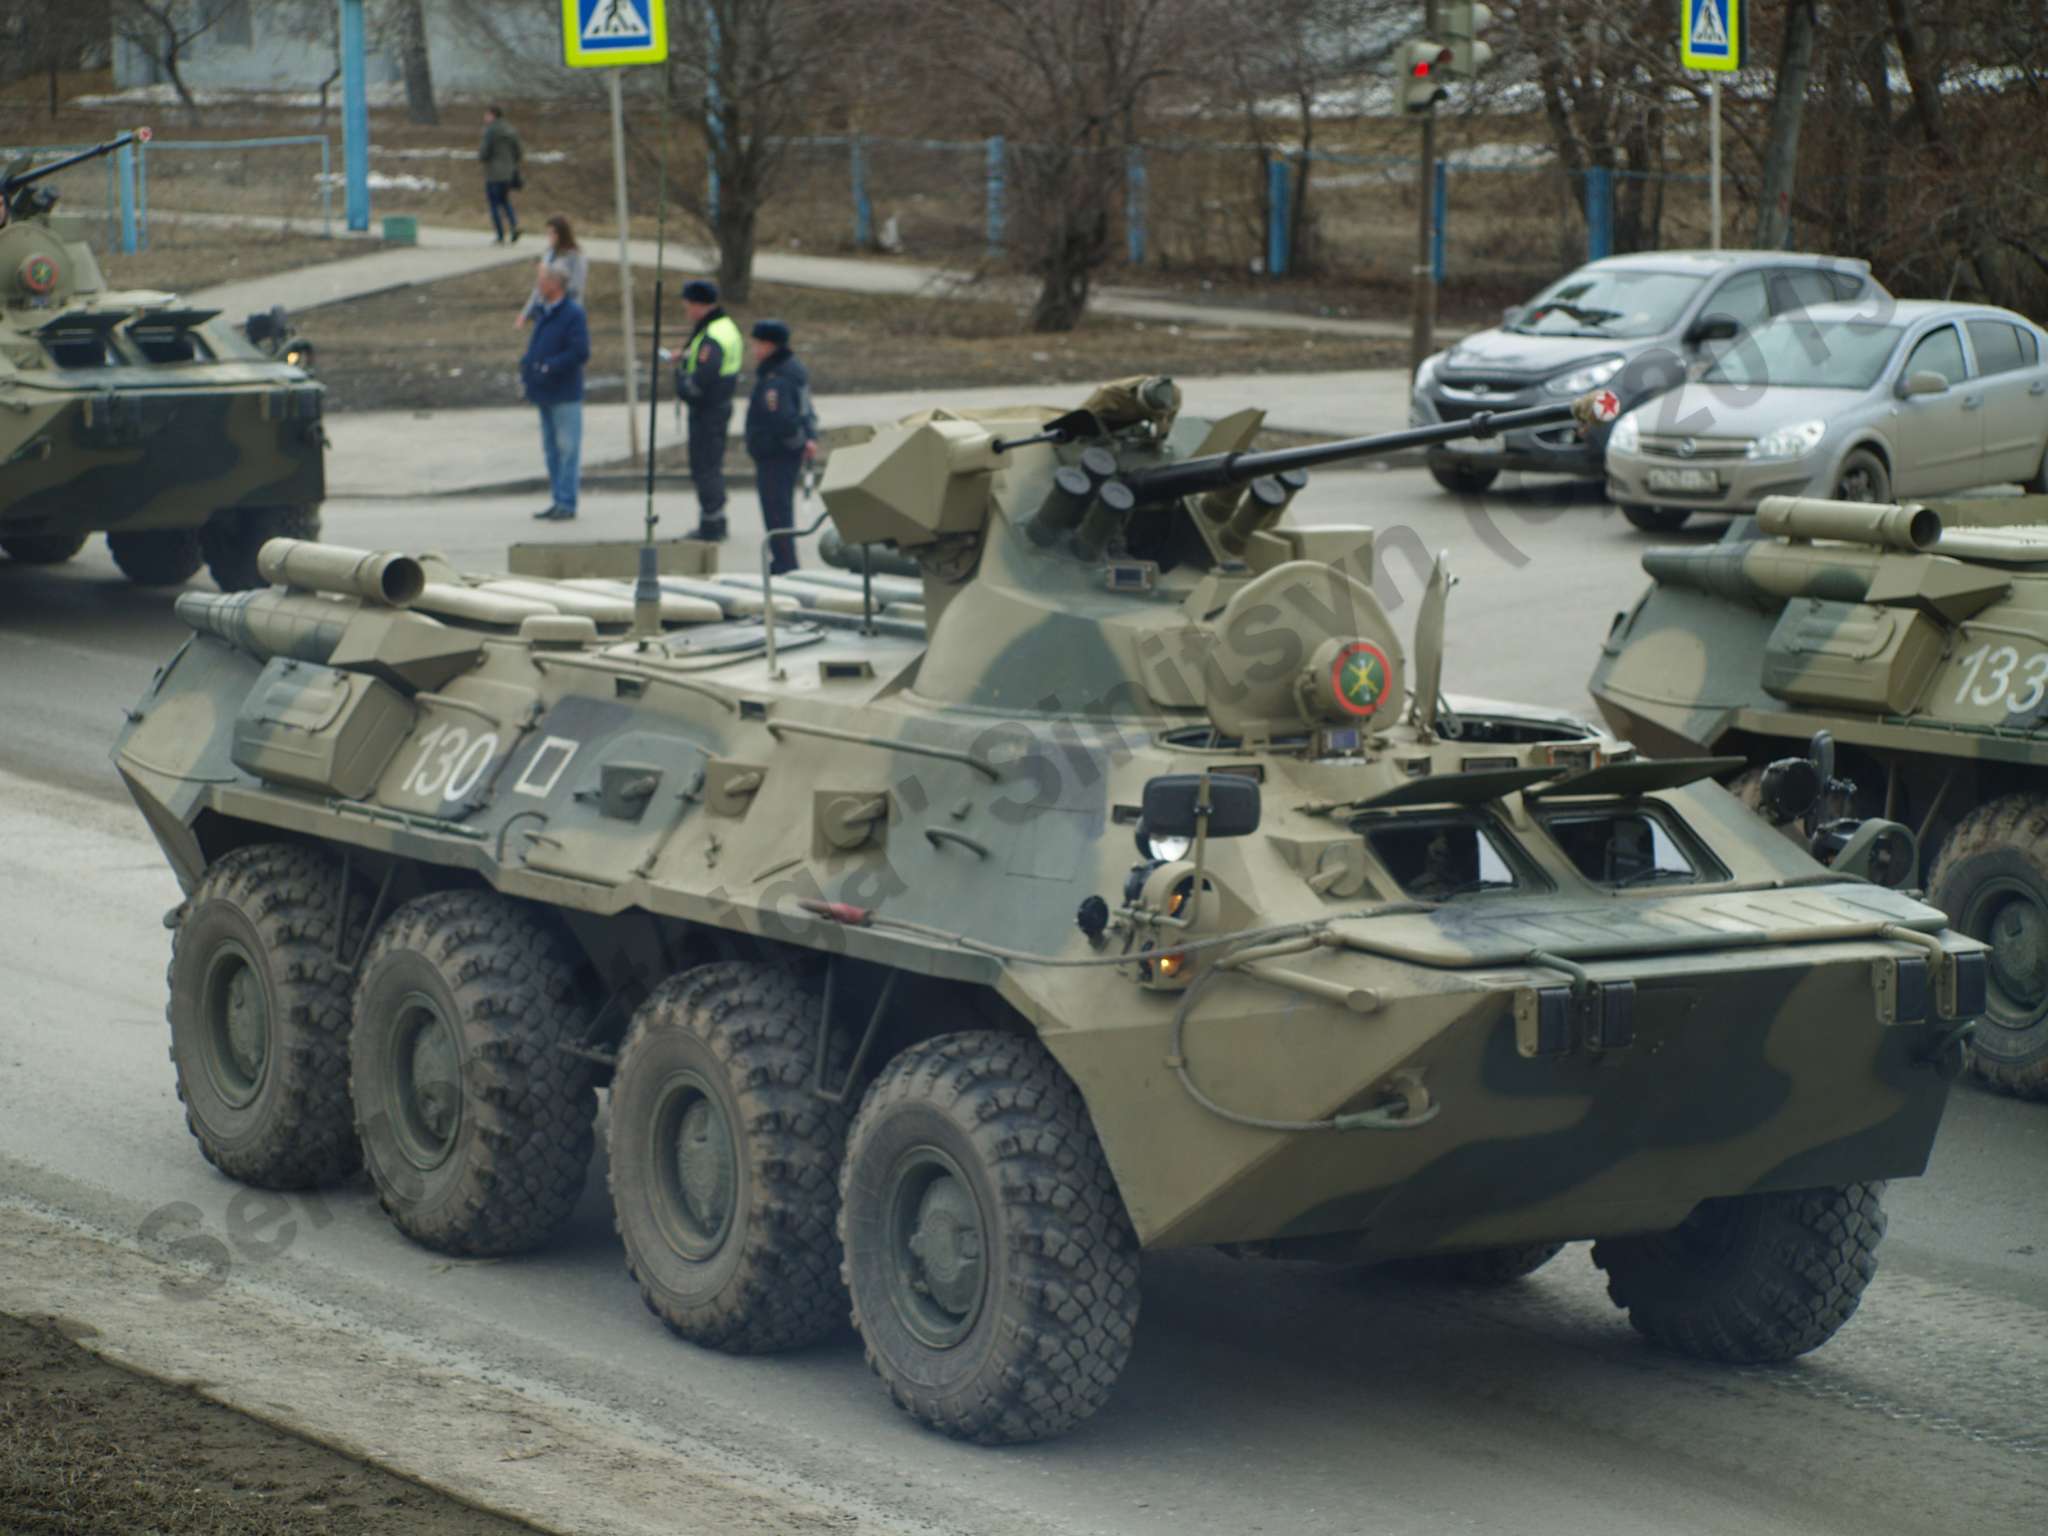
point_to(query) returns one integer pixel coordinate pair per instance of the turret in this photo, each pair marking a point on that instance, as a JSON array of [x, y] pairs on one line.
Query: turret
[[41, 264]]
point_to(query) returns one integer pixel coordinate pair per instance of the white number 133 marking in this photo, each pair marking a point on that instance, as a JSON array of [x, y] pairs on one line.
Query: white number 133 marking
[[1991, 676]]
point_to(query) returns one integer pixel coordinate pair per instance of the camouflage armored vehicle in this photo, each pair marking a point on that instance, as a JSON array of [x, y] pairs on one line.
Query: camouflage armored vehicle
[[1923, 650], [1131, 885], [137, 415]]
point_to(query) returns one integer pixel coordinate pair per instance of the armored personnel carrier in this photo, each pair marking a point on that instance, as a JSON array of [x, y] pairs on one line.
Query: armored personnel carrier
[[1131, 885], [137, 415], [1917, 636]]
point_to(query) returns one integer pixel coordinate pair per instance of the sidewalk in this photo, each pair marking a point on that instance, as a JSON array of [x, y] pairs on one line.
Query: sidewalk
[[497, 448], [444, 252]]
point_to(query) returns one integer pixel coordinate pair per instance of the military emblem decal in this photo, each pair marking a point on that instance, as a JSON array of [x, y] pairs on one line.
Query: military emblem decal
[[39, 273], [1359, 678]]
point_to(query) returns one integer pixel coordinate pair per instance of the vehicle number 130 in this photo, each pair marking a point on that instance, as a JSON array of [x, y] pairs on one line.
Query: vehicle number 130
[[1997, 676], [451, 762]]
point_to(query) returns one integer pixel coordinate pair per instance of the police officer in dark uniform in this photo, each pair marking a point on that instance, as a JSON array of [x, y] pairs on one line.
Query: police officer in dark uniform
[[707, 378], [782, 433]]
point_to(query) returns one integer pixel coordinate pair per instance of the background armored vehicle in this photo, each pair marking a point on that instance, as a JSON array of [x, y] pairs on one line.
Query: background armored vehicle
[[1131, 886], [137, 415], [1923, 650]]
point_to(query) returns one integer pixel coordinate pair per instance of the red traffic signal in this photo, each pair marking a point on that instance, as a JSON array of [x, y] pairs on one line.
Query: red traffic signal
[[1424, 74]]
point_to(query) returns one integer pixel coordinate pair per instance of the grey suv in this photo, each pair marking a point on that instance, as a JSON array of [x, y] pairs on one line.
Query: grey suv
[[1638, 325]]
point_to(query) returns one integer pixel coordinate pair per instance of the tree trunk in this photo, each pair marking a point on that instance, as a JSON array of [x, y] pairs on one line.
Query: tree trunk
[[413, 60], [1788, 111], [736, 221]]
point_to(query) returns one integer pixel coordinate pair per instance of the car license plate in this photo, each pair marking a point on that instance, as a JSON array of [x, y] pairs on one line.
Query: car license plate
[[1682, 480]]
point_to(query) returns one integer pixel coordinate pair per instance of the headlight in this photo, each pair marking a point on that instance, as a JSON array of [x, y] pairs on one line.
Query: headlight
[[1627, 435], [1592, 376], [1789, 442], [1165, 849]]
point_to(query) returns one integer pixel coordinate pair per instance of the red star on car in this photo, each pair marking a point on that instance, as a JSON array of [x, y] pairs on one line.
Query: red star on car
[[1607, 405]]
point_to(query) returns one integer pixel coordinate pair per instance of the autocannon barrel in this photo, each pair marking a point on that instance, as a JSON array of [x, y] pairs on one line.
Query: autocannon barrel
[[266, 622], [385, 577], [1213, 472], [1764, 573], [10, 184], [1912, 529]]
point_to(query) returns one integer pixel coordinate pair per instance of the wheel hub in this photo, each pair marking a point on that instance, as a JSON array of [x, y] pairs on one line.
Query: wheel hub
[[939, 1270], [2019, 952], [237, 1011], [698, 1168], [427, 1081]]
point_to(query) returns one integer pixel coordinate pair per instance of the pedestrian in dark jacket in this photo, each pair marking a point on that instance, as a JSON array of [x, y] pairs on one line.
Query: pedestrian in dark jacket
[[552, 372], [707, 378], [501, 154], [782, 433]]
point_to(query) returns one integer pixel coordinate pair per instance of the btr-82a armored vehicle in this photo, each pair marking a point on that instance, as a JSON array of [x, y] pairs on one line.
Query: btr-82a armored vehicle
[[1136, 888], [1922, 649], [138, 415]]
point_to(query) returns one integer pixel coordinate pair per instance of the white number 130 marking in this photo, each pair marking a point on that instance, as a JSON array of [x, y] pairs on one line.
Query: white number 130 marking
[[451, 762], [1996, 683]]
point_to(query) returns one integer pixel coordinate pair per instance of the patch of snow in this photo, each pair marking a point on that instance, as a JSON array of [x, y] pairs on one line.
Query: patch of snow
[[381, 181], [164, 95], [464, 152]]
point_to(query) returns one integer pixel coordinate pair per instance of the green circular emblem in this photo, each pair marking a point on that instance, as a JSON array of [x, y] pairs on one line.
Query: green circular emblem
[[39, 274], [1359, 677]]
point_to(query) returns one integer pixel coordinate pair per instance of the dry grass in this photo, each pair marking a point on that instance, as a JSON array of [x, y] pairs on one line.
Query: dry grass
[[184, 257]]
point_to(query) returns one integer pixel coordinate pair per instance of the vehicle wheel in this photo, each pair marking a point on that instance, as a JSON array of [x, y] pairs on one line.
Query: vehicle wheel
[[231, 540], [161, 557], [259, 1018], [993, 1271], [1863, 478], [724, 1164], [2038, 485], [1992, 881], [1657, 519], [1751, 1278], [43, 548], [1463, 479], [475, 1126], [1748, 787], [1488, 1266]]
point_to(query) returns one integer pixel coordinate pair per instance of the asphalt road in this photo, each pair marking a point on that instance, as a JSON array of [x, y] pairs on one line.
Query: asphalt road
[[1262, 1398]]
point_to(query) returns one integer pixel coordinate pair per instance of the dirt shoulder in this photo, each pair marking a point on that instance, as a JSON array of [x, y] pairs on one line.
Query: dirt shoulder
[[452, 344], [87, 1448], [186, 256]]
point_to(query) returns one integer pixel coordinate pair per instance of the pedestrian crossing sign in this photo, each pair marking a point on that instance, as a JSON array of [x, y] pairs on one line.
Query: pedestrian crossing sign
[[1710, 34], [597, 34]]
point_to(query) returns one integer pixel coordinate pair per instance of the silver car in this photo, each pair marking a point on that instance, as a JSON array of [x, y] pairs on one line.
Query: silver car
[[1872, 400]]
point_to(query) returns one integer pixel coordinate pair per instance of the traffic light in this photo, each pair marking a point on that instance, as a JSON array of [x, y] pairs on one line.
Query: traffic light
[[1463, 22], [1425, 67]]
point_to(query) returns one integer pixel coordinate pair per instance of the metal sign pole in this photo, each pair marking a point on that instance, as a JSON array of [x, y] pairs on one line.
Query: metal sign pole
[[625, 266], [1714, 154], [1422, 338]]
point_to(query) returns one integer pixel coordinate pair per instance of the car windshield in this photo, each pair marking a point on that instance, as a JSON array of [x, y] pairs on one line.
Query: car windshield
[[1617, 302], [1797, 353]]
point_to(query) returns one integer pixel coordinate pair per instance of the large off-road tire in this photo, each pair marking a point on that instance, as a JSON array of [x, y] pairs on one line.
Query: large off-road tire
[[1863, 477], [1992, 881], [724, 1164], [992, 1267], [231, 540], [158, 557], [1488, 1266], [42, 548], [259, 1012], [1656, 519], [1751, 1278], [1463, 479], [475, 1124]]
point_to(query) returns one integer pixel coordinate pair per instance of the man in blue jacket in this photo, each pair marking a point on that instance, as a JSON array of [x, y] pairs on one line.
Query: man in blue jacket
[[552, 372], [782, 432]]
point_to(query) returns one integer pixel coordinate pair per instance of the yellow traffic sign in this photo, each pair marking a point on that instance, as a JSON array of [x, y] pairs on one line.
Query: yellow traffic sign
[[1710, 34], [604, 34]]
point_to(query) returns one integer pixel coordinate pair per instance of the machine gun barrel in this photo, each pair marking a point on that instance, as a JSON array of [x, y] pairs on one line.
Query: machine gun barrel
[[12, 184], [1215, 472]]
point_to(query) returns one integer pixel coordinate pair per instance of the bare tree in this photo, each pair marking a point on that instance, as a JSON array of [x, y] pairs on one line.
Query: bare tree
[[407, 23], [164, 29], [1788, 112], [1064, 81]]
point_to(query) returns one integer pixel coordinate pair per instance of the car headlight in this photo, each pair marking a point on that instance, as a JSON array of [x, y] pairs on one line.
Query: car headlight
[[1592, 376], [1627, 435], [1166, 849], [1789, 442]]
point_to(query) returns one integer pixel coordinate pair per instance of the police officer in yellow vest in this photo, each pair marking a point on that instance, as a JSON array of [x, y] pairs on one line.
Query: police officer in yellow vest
[[706, 379]]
